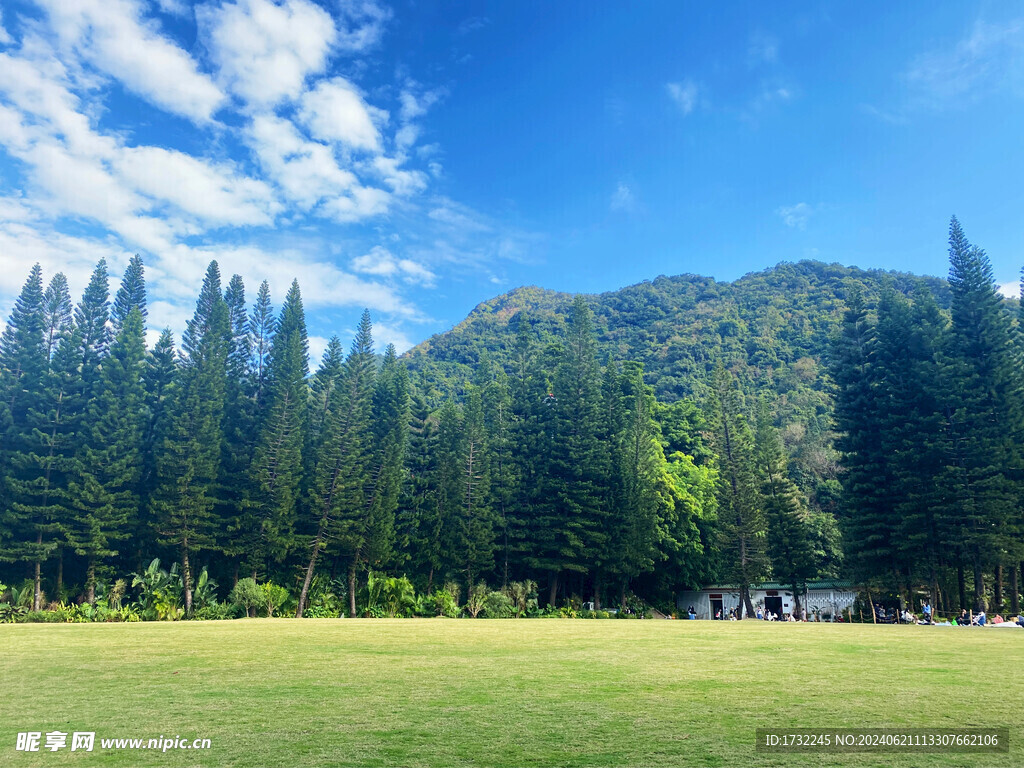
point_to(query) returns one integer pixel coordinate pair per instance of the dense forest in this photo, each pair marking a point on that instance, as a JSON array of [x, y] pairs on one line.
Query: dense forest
[[808, 421]]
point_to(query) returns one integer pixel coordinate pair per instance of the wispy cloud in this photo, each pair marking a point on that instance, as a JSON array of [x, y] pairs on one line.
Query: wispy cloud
[[684, 94], [989, 58], [795, 216], [763, 49], [623, 198]]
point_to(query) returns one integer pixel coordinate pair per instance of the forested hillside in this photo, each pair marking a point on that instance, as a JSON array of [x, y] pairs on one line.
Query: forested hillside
[[770, 326], [772, 329], [667, 435]]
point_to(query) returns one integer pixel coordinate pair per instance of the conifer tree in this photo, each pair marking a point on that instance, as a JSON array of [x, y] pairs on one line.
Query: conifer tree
[[262, 325], [131, 295], [417, 506], [332, 441], [984, 414], [160, 378], [277, 461], [350, 511], [791, 545], [238, 427], [474, 527], [739, 504], [103, 490], [91, 321], [390, 424], [23, 372], [641, 510], [189, 458], [867, 520], [58, 315]]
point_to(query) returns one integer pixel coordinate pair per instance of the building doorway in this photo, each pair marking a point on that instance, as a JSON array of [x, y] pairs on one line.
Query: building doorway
[[716, 608], [774, 605]]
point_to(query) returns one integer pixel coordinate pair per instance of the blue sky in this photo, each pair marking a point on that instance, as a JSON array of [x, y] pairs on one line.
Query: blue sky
[[420, 157]]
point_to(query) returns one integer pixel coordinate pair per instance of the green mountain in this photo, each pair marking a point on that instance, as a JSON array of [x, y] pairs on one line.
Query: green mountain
[[771, 328]]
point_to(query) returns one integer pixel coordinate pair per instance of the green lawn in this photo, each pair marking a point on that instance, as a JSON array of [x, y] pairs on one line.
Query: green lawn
[[278, 692]]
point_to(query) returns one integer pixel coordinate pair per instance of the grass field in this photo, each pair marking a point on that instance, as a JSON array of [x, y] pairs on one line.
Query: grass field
[[279, 692]]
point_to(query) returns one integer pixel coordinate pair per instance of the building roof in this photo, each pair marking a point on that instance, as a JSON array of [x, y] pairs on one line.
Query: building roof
[[824, 584]]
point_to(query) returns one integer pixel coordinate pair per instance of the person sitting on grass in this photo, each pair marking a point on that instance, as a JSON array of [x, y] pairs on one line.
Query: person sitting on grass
[[997, 619], [760, 613], [926, 609], [979, 620], [963, 620]]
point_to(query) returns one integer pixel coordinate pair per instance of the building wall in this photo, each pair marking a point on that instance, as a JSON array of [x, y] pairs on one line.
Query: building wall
[[825, 601]]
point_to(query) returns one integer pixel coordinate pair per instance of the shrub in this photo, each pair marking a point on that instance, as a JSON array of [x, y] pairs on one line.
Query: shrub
[[205, 592], [247, 595], [497, 605], [453, 589], [523, 596], [218, 612], [11, 613], [274, 597], [477, 597], [160, 592], [399, 597], [442, 603], [42, 617], [326, 599]]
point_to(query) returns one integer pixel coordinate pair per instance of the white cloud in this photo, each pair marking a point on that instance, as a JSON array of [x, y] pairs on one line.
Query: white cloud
[[264, 51], [402, 182], [795, 216], [1010, 290], [306, 171], [317, 347], [23, 244], [174, 7], [381, 262], [623, 198], [217, 195], [362, 24], [334, 111], [684, 94], [384, 334], [112, 36], [358, 203]]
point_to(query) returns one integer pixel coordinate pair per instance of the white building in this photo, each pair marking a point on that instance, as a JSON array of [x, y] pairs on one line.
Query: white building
[[823, 599]]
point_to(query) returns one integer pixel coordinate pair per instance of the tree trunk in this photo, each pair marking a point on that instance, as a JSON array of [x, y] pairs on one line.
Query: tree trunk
[[60, 572], [1014, 592], [90, 595], [186, 578], [352, 589], [747, 603], [597, 590], [37, 597], [309, 570], [796, 602], [979, 585], [622, 598], [430, 579], [553, 593], [997, 596], [961, 582], [234, 577]]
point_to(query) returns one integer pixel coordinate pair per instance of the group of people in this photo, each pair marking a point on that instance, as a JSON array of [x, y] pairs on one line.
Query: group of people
[[965, 619], [733, 615]]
